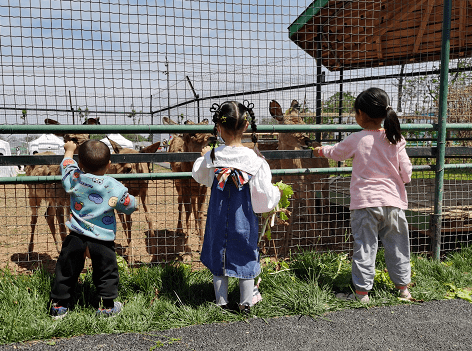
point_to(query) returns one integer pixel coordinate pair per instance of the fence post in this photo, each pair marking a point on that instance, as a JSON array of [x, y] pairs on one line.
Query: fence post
[[443, 90]]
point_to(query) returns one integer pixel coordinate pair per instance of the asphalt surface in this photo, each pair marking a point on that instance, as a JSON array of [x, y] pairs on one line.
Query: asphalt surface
[[437, 325]]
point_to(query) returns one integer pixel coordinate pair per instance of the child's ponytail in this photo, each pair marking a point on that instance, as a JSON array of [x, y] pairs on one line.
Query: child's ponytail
[[249, 107], [376, 104], [392, 126], [215, 109]]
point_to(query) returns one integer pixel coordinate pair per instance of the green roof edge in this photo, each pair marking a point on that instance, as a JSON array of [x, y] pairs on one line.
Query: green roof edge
[[306, 15]]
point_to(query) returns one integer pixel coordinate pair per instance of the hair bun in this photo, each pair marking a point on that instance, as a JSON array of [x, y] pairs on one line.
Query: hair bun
[[214, 107]]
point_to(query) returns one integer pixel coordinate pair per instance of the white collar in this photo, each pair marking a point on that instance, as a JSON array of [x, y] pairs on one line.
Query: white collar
[[239, 157]]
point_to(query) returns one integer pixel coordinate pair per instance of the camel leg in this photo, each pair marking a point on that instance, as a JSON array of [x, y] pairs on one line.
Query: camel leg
[[146, 213], [179, 188], [50, 214], [62, 226], [123, 221], [34, 205], [129, 224], [188, 211], [289, 232], [200, 202]]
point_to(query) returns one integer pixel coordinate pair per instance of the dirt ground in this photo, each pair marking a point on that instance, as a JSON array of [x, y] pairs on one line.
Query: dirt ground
[[15, 218], [326, 230]]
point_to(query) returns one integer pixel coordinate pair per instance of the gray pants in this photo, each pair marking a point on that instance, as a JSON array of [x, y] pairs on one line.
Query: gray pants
[[388, 224], [246, 288]]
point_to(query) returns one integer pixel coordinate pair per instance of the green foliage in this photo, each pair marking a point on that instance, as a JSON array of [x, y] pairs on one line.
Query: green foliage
[[280, 209], [286, 194], [83, 114], [174, 295], [331, 105], [425, 89]]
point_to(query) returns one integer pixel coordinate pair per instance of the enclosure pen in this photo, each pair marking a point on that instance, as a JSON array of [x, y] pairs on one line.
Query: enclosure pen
[[97, 69]]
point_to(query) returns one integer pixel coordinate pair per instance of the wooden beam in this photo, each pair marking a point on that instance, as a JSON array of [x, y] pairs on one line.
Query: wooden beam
[[424, 22], [462, 19], [403, 12], [391, 19]]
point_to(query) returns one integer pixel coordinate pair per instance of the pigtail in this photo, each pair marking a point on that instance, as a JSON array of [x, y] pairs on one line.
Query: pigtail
[[215, 108], [392, 126], [249, 107]]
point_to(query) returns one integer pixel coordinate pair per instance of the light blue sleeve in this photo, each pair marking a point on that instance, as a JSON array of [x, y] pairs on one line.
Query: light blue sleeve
[[127, 203], [68, 168]]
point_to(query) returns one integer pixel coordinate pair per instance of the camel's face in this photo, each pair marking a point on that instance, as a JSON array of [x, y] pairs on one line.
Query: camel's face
[[79, 139], [276, 111], [130, 168]]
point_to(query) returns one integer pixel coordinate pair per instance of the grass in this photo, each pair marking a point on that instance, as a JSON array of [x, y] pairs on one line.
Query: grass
[[173, 296]]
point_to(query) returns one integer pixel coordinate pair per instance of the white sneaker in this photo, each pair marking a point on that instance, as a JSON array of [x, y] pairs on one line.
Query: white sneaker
[[353, 296]]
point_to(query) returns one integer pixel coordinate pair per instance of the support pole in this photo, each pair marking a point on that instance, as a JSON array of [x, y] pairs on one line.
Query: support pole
[[341, 106], [318, 85], [443, 90], [71, 108], [197, 97]]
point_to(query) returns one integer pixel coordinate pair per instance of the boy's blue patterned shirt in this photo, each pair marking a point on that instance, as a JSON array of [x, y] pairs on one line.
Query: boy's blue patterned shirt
[[93, 199]]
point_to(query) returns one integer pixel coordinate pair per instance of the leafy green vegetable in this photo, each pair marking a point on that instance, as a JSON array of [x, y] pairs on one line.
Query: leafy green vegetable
[[287, 193], [281, 209]]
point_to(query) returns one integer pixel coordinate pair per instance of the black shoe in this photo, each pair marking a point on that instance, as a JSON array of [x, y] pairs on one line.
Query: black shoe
[[246, 310]]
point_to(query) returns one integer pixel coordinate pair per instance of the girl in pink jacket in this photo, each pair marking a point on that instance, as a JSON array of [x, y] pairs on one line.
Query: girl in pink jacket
[[380, 169]]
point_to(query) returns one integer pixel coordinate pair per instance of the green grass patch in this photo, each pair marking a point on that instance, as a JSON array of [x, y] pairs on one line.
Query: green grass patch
[[173, 296]]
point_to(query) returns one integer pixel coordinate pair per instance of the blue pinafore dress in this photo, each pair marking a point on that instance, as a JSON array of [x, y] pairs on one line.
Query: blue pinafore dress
[[231, 232]]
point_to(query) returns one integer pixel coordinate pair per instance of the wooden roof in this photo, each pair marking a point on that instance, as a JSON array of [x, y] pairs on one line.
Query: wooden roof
[[372, 33]]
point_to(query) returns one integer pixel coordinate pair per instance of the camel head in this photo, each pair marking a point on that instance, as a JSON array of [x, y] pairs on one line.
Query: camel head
[[79, 139], [194, 142], [128, 168], [276, 111], [187, 142], [291, 116]]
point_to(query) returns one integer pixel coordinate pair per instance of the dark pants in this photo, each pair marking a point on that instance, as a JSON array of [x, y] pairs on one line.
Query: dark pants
[[71, 263]]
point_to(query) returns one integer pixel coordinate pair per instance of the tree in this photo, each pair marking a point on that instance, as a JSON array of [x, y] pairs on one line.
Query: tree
[[133, 115], [332, 104], [83, 114], [423, 91], [23, 115]]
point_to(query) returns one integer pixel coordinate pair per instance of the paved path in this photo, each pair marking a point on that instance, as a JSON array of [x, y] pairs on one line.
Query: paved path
[[437, 325]]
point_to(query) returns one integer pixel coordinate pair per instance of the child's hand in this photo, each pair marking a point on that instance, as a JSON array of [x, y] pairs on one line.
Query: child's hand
[[316, 151], [205, 150], [70, 146]]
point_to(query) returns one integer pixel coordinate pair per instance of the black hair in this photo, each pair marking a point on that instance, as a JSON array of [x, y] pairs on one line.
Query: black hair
[[232, 116], [94, 155], [376, 104]]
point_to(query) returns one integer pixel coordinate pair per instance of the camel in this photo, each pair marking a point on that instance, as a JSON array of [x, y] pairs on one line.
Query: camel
[[304, 186], [53, 193], [190, 193], [137, 188]]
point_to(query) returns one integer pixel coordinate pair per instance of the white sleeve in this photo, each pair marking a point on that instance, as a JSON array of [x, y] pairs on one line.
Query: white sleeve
[[201, 173], [264, 195]]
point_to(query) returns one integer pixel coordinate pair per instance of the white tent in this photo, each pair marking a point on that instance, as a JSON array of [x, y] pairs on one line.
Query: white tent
[[47, 142], [120, 140], [7, 171]]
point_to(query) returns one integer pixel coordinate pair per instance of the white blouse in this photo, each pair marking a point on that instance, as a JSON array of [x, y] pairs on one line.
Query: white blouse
[[264, 195]]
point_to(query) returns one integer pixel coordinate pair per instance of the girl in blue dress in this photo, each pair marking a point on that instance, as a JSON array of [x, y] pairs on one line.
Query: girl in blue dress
[[241, 186]]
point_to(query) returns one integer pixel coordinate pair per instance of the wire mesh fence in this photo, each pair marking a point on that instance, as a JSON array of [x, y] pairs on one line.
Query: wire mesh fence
[[154, 62]]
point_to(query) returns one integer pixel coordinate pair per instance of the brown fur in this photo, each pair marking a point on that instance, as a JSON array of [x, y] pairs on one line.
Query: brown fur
[[53, 193], [304, 186], [137, 188], [190, 193]]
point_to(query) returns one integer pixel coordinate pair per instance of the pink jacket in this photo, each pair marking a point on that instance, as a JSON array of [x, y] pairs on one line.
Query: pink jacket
[[379, 169]]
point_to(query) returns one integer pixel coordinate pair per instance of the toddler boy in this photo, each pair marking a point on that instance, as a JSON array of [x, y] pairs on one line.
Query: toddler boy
[[94, 197]]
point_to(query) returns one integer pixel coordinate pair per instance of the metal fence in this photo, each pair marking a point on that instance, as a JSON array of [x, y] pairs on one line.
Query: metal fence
[[130, 66]]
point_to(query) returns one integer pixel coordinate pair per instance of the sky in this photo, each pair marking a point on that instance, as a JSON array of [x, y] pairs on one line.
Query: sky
[[114, 58]]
